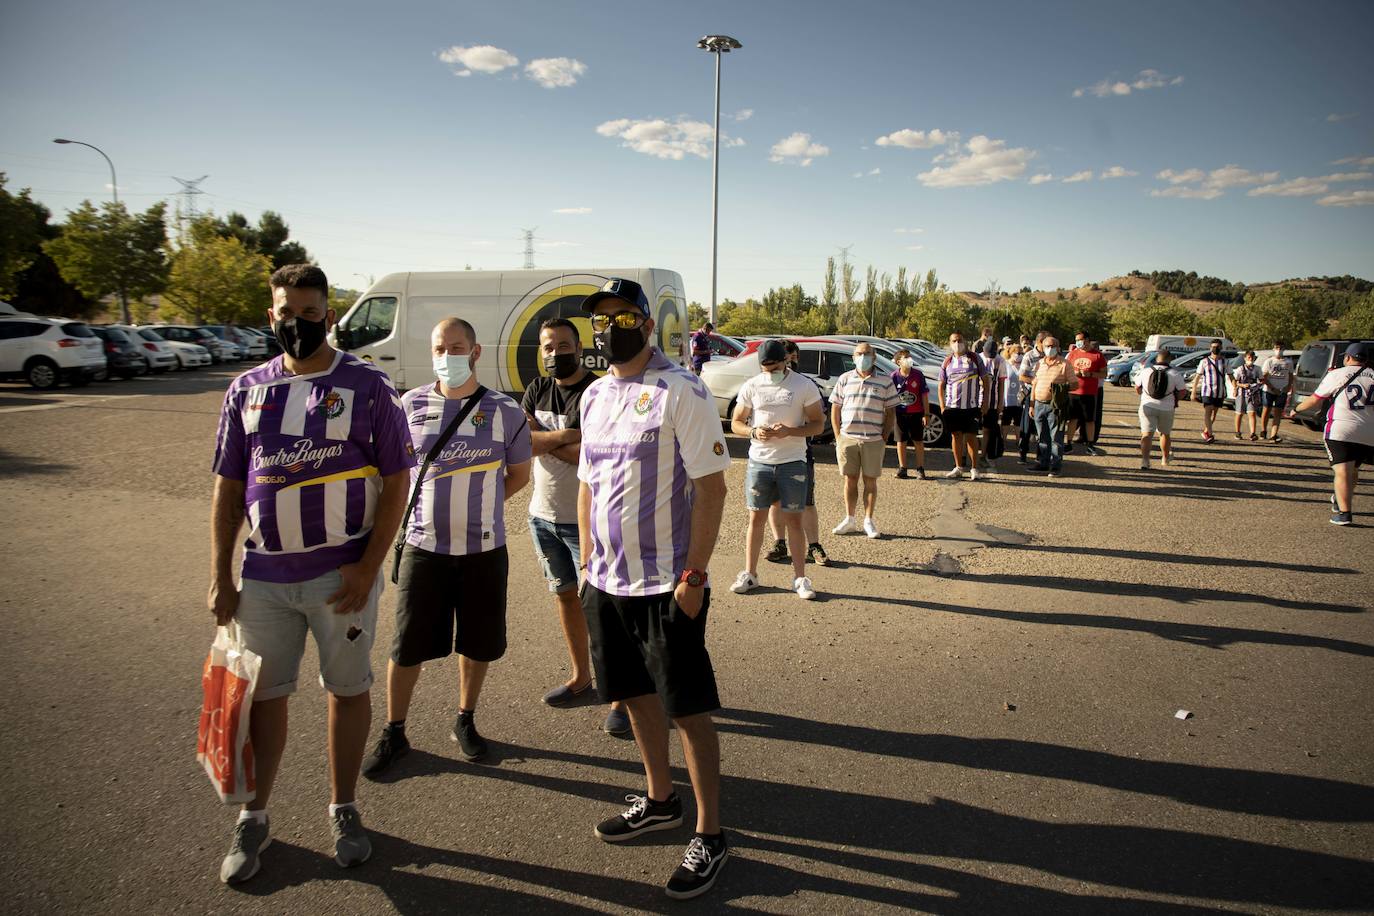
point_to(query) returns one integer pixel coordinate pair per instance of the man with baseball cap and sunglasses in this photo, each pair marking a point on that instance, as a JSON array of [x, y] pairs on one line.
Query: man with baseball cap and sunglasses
[[652, 492]]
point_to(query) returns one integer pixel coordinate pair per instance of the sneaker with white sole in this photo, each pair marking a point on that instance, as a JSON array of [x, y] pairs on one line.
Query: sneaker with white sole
[[803, 588], [242, 862], [846, 526], [957, 472], [744, 582], [351, 844], [870, 529], [700, 867], [643, 816], [974, 475]]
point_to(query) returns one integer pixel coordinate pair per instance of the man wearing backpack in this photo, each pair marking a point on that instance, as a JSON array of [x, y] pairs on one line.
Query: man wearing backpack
[[1158, 388]]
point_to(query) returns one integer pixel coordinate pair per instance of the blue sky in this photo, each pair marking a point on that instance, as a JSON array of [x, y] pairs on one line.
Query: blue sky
[[352, 121]]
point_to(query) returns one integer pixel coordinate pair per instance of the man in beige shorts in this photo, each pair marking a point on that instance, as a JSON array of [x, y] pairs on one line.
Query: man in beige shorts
[[863, 414]]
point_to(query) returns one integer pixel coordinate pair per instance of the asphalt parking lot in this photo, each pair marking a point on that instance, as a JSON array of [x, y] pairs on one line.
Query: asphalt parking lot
[[976, 716]]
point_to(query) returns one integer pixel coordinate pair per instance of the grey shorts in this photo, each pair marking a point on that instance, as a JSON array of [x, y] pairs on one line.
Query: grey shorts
[[274, 618]]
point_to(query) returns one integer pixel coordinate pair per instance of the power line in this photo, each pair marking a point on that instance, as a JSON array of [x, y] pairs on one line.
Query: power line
[[187, 211]]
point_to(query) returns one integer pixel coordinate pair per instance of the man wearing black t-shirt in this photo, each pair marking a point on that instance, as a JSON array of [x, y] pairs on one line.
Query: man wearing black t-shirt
[[553, 404]]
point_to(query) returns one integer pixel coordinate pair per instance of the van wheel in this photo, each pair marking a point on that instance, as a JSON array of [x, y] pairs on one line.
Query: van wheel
[[42, 374]]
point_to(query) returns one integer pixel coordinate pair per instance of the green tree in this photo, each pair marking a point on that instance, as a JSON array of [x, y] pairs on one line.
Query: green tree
[[107, 251], [940, 313], [696, 315], [1277, 313], [849, 288], [217, 280], [1133, 324], [22, 224], [1089, 317], [270, 237], [1358, 321]]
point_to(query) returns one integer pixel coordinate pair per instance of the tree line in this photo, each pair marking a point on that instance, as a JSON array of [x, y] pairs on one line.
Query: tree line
[[216, 272]]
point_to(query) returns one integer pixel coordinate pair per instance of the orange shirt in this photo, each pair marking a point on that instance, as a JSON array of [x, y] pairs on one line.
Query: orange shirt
[[1047, 374]]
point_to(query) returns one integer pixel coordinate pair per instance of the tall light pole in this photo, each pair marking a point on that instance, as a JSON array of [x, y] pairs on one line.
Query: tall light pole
[[717, 45], [114, 192]]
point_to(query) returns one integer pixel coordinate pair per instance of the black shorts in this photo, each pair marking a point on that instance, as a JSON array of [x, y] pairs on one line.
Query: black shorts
[[1011, 415], [911, 428], [810, 478], [962, 419], [1340, 451], [1211, 401], [646, 644], [450, 604], [1083, 408]]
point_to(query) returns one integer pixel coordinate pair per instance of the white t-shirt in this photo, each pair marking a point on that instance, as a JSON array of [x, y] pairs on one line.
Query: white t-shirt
[[1165, 403], [1280, 371], [1351, 391], [783, 403]]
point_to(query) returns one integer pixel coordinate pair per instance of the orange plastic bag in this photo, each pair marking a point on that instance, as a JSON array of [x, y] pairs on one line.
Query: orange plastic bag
[[222, 745]]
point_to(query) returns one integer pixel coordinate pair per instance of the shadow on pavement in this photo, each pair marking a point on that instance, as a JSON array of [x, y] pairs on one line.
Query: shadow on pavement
[[1150, 556], [19, 466]]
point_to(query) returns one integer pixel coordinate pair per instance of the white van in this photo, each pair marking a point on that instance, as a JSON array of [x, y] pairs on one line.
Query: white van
[[1181, 343], [390, 324]]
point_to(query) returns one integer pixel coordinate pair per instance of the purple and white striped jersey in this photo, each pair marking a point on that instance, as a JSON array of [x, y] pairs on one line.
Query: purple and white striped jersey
[[1211, 377], [311, 451], [461, 509], [644, 439], [962, 377]]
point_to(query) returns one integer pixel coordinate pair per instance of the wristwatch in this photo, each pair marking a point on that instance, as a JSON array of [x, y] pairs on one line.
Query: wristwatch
[[695, 578]]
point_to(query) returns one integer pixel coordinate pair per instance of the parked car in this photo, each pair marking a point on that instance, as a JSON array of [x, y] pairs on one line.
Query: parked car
[[231, 335], [220, 350], [45, 353], [1317, 359], [156, 353], [269, 341], [1122, 372], [123, 357]]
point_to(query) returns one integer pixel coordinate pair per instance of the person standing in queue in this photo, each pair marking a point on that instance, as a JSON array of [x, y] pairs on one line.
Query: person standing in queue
[[1349, 432], [649, 507], [862, 406], [1030, 361], [552, 405], [913, 400], [1276, 374], [1050, 395], [1209, 388], [1249, 393], [313, 452], [1089, 369], [451, 591], [701, 346], [811, 525], [965, 386]]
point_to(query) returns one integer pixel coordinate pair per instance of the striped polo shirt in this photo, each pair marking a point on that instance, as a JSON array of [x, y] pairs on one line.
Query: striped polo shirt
[[962, 377], [1211, 377], [645, 438], [311, 451], [461, 508], [863, 401]]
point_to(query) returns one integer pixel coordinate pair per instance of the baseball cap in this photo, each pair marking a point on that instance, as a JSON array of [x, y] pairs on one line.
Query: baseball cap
[[627, 291], [772, 350], [1361, 350]]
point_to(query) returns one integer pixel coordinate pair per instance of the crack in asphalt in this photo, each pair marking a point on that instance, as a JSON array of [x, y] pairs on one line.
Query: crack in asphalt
[[956, 537]]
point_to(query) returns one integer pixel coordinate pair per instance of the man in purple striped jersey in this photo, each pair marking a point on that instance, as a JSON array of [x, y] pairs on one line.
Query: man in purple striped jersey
[[451, 591], [313, 451], [652, 475], [1209, 388]]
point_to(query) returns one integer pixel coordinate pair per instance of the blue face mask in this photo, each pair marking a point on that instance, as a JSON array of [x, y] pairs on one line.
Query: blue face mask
[[864, 361], [453, 371]]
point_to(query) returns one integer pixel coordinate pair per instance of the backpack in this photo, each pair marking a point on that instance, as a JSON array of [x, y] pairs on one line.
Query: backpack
[[1157, 385]]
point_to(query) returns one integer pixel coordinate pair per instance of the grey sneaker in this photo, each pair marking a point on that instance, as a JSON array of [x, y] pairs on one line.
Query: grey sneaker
[[241, 862], [351, 845]]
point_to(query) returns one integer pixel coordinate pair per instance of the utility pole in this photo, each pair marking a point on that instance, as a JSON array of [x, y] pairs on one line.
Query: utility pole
[[529, 247], [717, 45], [114, 193], [187, 211]]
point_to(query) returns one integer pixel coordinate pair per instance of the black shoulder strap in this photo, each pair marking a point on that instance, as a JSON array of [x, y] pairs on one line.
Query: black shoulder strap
[[439, 444]]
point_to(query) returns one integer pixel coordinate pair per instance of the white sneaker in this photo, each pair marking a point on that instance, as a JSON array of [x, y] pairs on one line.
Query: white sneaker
[[870, 529], [745, 582], [974, 475], [803, 589], [957, 472], [845, 527]]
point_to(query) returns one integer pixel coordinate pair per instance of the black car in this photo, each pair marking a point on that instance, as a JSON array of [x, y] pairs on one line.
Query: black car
[[122, 354], [1318, 358]]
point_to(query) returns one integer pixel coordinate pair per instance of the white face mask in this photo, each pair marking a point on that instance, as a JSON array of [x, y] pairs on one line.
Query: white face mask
[[906, 363], [960, 347], [777, 375], [864, 361], [453, 371], [1051, 352]]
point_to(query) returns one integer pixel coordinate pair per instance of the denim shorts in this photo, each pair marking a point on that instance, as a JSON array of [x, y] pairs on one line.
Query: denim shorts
[[274, 618], [765, 484], [556, 546]]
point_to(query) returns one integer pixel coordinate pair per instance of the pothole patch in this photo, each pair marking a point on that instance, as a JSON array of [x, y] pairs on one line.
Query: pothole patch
[[956, 537]]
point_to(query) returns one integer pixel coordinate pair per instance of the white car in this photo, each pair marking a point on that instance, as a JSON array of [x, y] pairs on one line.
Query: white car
[[45, 353], [189, 355], [254, 344], [156, 353]]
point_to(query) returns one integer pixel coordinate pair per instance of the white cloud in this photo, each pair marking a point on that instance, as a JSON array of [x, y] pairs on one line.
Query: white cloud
[[1230, 176], [1117, 171], [1355, 160], [1076, 177], [1183, 177], [799, 148], [573, 211], [744, 114], [665, 139], [869, 174], [555, 72], [1041, 178], [1199, 185], [918, 139], [909, 231], [1333, 117], [1306, 187], [981, 161], [1348, 199], [1145, 79], [477, 59], [1179, 190]]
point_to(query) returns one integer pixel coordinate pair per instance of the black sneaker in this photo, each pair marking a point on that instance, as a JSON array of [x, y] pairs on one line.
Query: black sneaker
[[921, 472], [779, 553], [391, 747], [643, 816], [815, 553], [901, 474], [471, 746], [700, 867]]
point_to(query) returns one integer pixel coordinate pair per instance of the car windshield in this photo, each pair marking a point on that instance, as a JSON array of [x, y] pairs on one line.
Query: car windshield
[[116, 335], [148, 334], [204, 333], [77, 329]]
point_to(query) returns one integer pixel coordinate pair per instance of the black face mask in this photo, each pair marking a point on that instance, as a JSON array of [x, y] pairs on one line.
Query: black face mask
[[562, 365], [621, 344], [298, 337]]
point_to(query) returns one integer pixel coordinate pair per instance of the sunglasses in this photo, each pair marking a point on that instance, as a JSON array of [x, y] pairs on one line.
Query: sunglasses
[[624, 320]]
